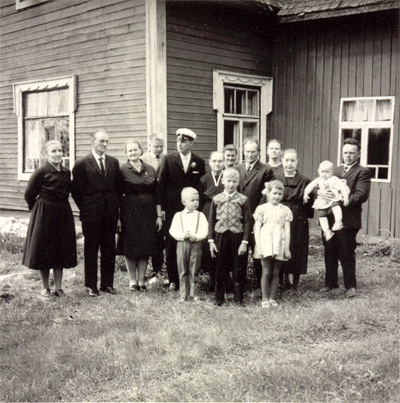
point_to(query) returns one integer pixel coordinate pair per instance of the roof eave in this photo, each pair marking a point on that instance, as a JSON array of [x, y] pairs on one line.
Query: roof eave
[[336, 13]]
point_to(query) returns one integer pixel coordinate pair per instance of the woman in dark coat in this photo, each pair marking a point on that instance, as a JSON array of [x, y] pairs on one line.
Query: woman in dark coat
[[140, 214], [294, 184], [51, 239]]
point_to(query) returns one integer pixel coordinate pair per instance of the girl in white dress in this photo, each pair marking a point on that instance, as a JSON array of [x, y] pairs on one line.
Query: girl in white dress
[[272, 235]]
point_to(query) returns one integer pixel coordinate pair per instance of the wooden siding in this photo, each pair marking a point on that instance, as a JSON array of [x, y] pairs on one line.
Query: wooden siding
[[103, 43], [318, 63], [201, 38]]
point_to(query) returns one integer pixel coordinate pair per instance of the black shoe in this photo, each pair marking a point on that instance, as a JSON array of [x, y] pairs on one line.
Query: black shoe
[[109, 290], [93, 292], [219, 302], [142, 288]]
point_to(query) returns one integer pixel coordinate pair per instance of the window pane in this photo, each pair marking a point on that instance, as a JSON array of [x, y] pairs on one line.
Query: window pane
[[383, 109], [378, 146], [54, 103], [383, 173], [240, 102], [252, 103], [42, 104], [229, 100], [366, 110], [349, 113], [229, 131], [250, 131], [33, 145], [373, 172], [37, 132], [355, 133], [30, 104]]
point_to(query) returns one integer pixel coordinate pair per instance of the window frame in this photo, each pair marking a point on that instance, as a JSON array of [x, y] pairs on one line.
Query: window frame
[[365, 126], [262, 83], [44, 85]]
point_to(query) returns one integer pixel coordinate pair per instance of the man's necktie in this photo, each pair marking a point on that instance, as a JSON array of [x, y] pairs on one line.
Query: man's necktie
[[103, 172], [345, 169], [248, 169]]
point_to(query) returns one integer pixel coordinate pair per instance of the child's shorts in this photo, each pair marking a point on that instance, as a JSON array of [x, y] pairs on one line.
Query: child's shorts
[[328, 211]]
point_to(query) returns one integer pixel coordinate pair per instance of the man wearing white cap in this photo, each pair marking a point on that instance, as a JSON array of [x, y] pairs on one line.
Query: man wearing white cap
[[178, 170]]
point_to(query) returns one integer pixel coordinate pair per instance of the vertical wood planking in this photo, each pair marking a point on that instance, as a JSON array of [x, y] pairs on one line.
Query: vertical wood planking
[[360, 60], [310, 102], [327, 97], [318, 96]]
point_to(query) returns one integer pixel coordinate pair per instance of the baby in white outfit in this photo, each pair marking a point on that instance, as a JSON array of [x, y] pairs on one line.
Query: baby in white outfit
[[327, 180]]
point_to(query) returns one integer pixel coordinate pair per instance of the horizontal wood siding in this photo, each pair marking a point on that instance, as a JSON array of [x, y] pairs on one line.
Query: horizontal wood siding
[[201, 38], [103, 43], [318, 63]]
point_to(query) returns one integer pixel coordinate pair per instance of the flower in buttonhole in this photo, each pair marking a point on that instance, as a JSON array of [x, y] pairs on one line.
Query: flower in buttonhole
[[193, 165]]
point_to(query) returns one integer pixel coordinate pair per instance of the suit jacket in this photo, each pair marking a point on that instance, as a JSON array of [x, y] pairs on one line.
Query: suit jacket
[[173, 179], [254, 184], [91, 193], [358, 179]]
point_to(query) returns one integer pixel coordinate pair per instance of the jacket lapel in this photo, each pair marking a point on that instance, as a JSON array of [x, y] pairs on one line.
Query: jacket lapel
[[178, 160], [94, 163], [252, 173]]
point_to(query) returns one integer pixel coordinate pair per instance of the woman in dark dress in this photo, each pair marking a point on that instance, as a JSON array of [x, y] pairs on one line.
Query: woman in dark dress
[[211, 185], [140, 214], [51, 239], [294, 184]]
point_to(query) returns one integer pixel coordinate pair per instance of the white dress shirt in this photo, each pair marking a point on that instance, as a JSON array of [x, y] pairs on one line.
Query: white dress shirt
[[189, 221], [97, 158], [185, 160]]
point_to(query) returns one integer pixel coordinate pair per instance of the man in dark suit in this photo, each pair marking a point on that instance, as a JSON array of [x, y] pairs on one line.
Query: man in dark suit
[[343, 244], [96, 189], [253, 175], [177, 170]]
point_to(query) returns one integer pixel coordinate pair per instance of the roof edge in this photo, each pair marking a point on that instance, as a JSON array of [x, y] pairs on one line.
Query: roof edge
[[337, 13]]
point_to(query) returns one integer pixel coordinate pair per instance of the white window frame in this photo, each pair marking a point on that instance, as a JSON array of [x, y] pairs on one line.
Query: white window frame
[[29, 86], [364, 126], [21, 4], [264, 84]]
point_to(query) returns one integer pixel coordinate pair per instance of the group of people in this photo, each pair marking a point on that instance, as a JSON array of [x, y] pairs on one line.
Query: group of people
[[210, 220]]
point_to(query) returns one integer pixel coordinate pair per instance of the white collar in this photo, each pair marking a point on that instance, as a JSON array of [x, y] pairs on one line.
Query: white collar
[[189, 212], [349, 166], [187, 157], [97, 156], [230, 195], [154, 156]]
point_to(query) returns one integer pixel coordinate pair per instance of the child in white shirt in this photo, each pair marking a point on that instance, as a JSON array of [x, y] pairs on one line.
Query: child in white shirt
[[189, 227], [327, 180]]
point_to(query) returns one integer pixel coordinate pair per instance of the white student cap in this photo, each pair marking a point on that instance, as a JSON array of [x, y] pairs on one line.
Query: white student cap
[[191, 135]]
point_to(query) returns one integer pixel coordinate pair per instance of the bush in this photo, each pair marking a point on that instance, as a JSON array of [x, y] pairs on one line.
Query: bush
[[387, 247], [11, 243]]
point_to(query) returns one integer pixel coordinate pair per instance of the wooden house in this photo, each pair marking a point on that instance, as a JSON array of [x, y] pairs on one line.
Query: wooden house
[[305, 72]]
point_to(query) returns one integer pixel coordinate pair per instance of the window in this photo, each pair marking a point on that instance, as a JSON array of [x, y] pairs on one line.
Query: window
[[370, 121], [45, 112], [20, 4], [242, 103]]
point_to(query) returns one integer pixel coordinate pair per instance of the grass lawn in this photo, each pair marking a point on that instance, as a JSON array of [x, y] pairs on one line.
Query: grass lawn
[[149, 347]]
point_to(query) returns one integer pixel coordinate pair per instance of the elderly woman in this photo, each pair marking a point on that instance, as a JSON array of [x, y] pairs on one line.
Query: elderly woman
[[294, 185], [140, 214], [50, 241]]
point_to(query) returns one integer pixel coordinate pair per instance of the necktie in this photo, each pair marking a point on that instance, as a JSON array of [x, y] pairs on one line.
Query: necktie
[[103, 172], [345, 169], [248, 169]]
